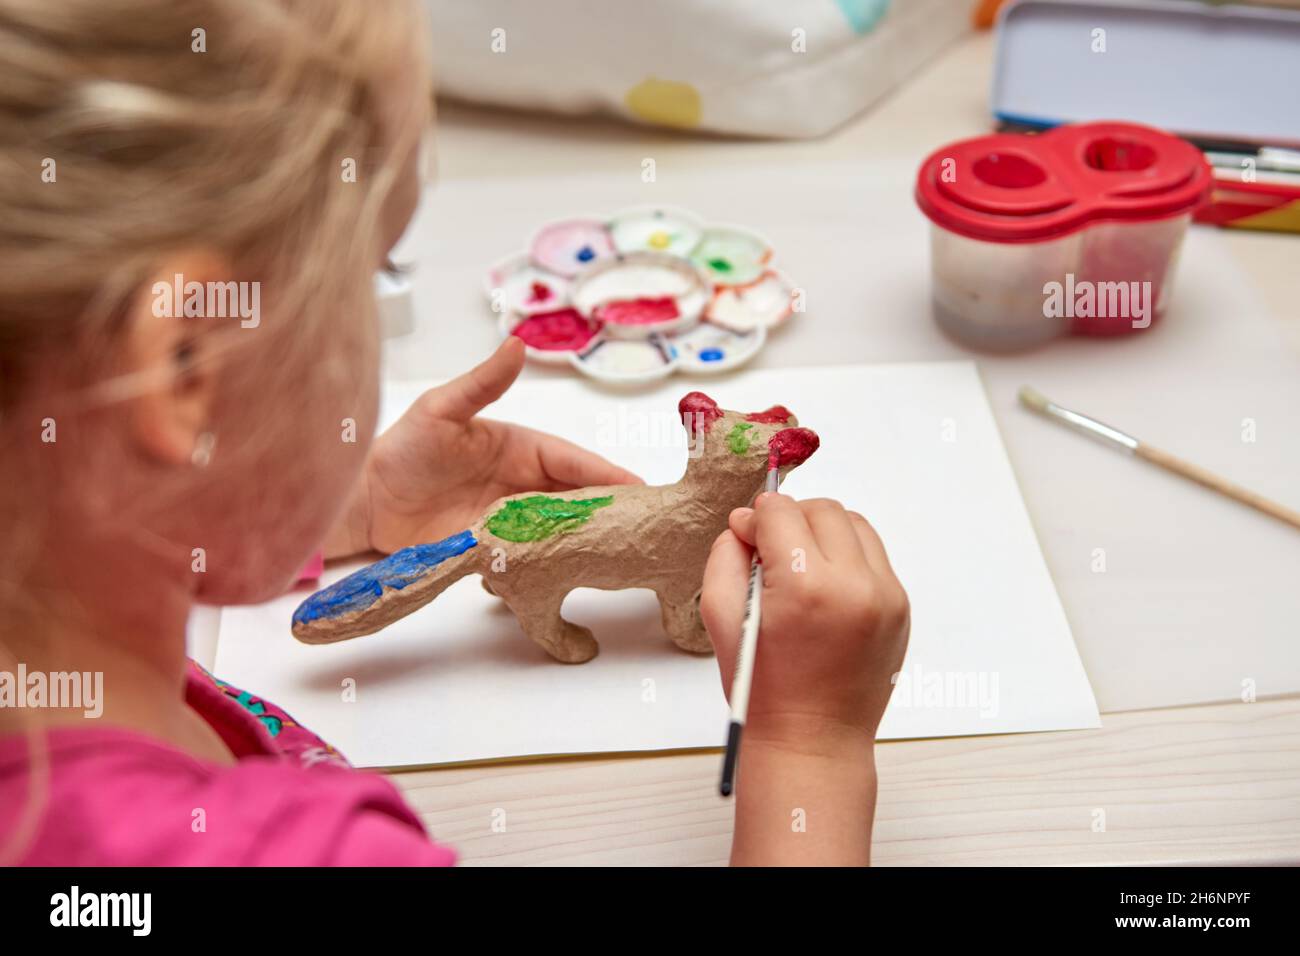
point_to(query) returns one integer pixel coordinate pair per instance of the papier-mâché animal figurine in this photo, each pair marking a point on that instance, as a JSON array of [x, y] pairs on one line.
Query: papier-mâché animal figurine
[[533, 549]]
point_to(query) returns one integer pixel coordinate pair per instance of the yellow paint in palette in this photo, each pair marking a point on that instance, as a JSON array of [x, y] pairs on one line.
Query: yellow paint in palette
[[657, 229]]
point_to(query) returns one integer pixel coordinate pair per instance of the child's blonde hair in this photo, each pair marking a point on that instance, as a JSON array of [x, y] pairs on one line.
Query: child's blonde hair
[[128, 127], [132, 129]]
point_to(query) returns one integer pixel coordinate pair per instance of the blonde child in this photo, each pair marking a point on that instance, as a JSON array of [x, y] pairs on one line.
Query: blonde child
[[148, 144]]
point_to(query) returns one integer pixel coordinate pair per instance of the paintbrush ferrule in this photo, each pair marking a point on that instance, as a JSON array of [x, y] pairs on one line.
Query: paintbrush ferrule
[[1095, 429], [1079, 422]]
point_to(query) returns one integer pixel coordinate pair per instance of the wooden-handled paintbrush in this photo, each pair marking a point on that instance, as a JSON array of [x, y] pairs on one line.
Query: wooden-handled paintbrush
[[786, 449], [1127, 443]]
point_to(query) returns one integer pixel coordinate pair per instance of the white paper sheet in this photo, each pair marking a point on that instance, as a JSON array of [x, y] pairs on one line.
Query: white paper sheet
[[912, 446]]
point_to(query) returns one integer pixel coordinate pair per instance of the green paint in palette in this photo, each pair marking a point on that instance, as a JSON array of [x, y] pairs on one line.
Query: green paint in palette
[[540, 516]]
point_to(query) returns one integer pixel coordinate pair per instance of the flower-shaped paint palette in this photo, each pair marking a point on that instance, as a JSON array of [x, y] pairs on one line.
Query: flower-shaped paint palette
[[642, 294]]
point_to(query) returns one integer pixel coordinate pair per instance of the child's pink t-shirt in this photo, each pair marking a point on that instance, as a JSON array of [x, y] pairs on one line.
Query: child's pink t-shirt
[[112, 797]]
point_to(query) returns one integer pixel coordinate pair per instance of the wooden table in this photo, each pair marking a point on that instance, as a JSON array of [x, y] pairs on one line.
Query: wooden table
[[1210, 784], [1215, 784]]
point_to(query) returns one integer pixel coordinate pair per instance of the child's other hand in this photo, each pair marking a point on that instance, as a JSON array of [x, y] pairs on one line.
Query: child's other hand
[[835, 619], [439, 467]]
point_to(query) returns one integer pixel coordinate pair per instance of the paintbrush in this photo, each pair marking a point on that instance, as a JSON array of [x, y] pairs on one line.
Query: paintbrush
[[744, 672], [1127, 443]]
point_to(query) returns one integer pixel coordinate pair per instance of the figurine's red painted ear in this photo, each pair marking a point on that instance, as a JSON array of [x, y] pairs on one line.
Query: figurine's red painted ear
[[776, 415], [698, 411], [791, 447]]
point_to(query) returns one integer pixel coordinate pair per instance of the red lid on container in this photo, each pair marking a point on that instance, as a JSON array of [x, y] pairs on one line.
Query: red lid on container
[[1028, 188]]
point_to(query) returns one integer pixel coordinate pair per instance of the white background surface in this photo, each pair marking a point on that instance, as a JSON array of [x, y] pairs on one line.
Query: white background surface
[[457, 680]]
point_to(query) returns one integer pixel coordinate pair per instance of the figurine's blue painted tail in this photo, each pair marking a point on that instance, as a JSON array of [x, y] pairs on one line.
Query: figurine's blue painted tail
[[361, 590]]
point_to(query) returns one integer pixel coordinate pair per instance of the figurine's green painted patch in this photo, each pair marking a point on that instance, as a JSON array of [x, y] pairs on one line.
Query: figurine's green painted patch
[[540, 516], [737, 440]]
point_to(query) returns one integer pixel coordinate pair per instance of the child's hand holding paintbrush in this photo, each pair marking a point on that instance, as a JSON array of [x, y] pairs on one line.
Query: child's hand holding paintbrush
[[833, 631]]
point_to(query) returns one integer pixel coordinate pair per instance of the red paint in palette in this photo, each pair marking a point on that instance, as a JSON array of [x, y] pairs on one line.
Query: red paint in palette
[[644, 311], [791, 446], [565, 330]]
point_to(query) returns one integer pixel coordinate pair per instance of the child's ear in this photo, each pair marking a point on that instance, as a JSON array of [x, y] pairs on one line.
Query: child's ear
[[175, 357]]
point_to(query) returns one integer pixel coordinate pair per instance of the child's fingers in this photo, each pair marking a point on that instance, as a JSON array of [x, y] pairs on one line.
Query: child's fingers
[[465, 396], [726, 584], [828, 523], [567, 465], [741, 523], [836, 535], [873, 549], [781, 531]]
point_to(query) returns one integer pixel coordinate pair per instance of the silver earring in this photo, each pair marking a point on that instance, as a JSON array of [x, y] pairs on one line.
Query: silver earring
[[204, 445]]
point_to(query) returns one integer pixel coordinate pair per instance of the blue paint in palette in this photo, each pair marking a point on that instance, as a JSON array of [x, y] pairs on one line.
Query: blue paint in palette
[[360, 589]]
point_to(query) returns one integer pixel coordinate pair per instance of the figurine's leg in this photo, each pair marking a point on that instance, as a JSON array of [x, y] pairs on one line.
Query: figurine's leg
[[682, 622], [541, 621]]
